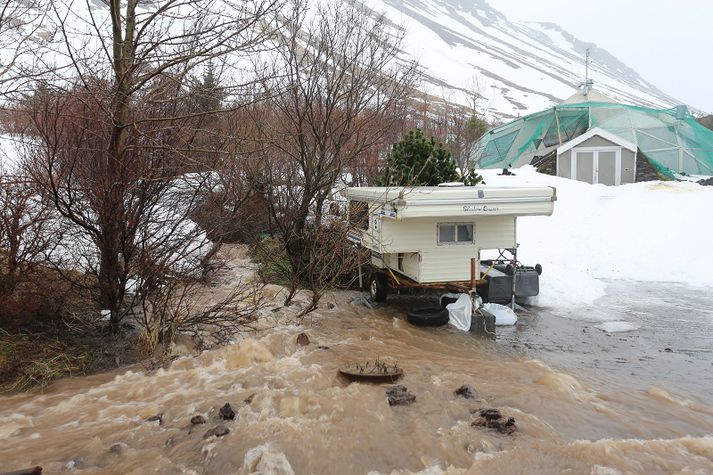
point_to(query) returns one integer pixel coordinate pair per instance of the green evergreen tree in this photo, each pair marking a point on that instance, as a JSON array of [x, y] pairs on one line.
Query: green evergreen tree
[[476, 128], [417, 161], [206, 94]]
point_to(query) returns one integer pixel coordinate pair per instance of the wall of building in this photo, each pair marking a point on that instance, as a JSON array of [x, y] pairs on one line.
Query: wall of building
[[628, 162]]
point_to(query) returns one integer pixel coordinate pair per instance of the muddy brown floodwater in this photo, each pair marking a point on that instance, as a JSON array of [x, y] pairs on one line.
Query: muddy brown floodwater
[[303, 418]]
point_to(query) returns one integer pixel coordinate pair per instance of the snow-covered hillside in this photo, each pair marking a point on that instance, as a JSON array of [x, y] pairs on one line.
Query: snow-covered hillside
[[461, 45], [519, 68]]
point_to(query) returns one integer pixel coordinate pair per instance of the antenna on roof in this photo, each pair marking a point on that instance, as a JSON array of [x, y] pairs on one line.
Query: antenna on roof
[[586, 86]]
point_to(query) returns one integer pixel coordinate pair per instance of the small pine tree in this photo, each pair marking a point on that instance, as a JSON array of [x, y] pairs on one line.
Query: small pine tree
[[206, 94], [476, 128], [416, 161]]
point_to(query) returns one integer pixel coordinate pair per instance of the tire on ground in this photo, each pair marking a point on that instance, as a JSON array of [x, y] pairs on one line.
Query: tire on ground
[[428, 317], [378, 287]]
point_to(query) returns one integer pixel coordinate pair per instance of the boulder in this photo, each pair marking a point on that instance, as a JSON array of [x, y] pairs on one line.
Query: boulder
[[226, 412], [465, 391], [493, 419], [157, 417], [302, 339], [399, 396], [197, 420], [217, 431]]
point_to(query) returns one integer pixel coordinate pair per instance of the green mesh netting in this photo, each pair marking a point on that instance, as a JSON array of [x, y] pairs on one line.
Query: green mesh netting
[[671, 139]]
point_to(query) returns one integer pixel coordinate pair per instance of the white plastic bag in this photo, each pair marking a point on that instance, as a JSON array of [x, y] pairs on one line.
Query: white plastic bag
[[503, 315], [449, 296], [460, 312]]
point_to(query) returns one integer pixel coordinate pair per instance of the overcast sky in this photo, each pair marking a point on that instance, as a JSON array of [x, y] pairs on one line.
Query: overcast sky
[[668, 42]]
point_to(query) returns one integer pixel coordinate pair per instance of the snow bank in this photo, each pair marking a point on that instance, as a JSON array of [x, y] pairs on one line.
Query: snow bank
[[9, 154], [618, 327], [651, 231]]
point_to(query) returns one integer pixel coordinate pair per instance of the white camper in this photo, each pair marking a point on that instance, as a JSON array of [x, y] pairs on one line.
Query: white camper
[[430, 236]]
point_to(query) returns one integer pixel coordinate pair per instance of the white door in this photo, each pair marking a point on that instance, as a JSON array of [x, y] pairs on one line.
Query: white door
[[597, 165]]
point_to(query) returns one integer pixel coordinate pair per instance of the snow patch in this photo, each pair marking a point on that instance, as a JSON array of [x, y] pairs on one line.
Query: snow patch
[[617, 327], [649, 232]]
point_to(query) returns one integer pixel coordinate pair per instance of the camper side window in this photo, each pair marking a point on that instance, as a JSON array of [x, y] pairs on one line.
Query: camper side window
[[455, 233]]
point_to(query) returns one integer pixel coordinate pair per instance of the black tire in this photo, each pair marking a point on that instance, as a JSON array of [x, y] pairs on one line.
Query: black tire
[[378, 287], [538, 269], [428, 317], [447, 301]]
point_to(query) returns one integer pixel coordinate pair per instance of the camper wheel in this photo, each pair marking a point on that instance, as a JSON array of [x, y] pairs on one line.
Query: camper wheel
[[378, 287]]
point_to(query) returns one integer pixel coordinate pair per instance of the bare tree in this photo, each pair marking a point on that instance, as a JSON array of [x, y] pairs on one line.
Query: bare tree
[[336, 91], [23, 30], [26, 233], [116, 138]]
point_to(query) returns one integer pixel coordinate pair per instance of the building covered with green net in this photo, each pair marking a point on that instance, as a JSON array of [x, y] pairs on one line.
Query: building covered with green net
[[591, 138]]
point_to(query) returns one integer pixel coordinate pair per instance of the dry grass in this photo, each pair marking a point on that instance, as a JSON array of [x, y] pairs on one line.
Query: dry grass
[[28, 360]]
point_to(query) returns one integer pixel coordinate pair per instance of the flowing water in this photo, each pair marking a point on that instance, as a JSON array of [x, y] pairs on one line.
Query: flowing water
[[303, 418]]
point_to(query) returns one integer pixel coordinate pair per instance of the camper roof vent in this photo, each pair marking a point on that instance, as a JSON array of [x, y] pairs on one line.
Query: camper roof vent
[[451, 184]]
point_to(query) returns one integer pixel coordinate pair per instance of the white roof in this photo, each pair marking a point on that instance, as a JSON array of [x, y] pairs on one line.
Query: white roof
[[596, 131], [432, 201], [440, 193], [592, 96]]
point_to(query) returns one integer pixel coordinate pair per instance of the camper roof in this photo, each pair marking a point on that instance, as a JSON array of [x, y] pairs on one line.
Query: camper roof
[[460, 193], [425, 201]]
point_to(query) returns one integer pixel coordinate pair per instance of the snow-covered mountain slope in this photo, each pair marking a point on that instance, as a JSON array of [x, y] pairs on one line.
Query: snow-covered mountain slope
[[463, 46], [518, 68]]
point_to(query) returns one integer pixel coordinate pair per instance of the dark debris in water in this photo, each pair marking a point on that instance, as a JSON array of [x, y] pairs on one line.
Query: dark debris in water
[[375, 367], [197, 420], [372, 371], [157, 417], [466, 391], [226, 412], [302, 339], [217, 431], [400, 396], [493, 419]]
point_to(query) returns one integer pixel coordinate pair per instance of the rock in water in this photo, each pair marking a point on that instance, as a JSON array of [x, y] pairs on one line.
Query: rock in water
[[302, 339], [490, 414], [226, 413], [197, 419], [117, 448], [465, 391], [249, 399], [399, 396], [157, 417], [491, 418], [218, 431]]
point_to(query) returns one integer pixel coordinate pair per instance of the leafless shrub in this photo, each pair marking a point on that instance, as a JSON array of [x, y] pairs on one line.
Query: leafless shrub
[[333, 262], [177, 307]]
